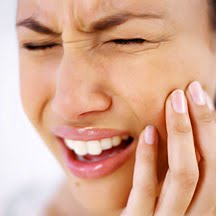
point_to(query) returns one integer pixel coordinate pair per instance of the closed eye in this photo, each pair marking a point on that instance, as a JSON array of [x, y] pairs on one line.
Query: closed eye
[[37, 47], [128, 41]]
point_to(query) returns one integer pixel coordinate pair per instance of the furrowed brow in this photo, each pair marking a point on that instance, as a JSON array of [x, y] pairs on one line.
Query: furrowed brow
[[38, 27], [118, 19], [103, 24]]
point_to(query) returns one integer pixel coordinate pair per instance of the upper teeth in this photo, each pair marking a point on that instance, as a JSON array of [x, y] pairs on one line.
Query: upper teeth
[[94, 147]]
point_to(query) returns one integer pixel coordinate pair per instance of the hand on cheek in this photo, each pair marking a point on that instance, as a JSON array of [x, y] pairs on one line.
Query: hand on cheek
[[190, 180], [202, 114]]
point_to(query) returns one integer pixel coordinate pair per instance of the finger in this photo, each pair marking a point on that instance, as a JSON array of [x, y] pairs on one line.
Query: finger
[[182, 175], [143, 194], [202, 117], [203, 121]]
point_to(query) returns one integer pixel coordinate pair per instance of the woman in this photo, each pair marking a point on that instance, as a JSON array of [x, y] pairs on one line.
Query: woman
[[122, 94]]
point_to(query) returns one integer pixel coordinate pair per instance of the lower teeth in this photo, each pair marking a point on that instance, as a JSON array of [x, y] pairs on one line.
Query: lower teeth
[[95, 159]]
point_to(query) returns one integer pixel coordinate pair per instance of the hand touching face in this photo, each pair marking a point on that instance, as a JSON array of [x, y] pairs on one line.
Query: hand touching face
[[118, 77], [191, 177]]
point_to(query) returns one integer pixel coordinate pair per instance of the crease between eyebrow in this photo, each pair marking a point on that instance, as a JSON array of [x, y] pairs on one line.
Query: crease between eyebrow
[[102, 24]]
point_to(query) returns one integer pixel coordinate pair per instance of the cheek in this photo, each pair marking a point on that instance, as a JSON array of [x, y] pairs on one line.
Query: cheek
[[144, 84], [145, 81], [36, 86]]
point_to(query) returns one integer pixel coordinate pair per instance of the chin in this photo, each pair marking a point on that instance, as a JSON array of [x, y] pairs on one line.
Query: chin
[[109, 193]]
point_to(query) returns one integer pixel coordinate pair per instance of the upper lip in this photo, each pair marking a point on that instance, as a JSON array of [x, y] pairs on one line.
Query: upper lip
[[86, 134]]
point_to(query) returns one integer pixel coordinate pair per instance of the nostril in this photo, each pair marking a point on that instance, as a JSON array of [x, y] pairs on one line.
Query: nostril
[[75, 108]]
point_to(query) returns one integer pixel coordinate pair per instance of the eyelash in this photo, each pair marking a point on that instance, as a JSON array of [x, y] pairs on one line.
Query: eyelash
[[33, 47], [128, 41], [122, 42]]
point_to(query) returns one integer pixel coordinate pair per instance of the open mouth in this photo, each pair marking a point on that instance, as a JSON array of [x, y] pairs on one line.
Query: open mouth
[[95, 151], [97, 158]]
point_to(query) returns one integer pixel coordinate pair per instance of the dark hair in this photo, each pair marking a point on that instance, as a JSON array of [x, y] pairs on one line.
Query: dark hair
[[212, 4]]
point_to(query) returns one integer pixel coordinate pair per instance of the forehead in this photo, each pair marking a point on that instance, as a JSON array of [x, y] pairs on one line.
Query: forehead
[[57, 12], [88, 9], [90, 5]]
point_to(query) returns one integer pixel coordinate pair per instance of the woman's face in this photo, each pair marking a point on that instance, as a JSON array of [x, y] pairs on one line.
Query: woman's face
[[85, 78]]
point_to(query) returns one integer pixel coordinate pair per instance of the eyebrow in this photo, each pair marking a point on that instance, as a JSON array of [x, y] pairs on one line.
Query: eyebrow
[[100, 25], [118, 19], [33, 24]]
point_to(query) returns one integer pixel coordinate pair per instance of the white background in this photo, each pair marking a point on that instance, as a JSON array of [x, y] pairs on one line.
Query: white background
[[24, 159]]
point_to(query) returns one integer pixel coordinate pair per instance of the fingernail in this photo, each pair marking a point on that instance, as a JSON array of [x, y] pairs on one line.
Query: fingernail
[[149, 135], [197, 93], [178, 101], [209, 102]]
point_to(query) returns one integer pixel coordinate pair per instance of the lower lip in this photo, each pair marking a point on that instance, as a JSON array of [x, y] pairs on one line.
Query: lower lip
[[93, 170]]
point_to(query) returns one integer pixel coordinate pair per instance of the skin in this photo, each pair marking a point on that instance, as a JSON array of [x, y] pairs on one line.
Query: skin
[[126, 87]]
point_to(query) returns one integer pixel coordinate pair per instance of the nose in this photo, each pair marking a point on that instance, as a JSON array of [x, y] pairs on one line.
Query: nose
[[80, 89]]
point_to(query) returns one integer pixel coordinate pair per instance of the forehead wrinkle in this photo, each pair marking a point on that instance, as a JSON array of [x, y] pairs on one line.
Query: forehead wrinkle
[[91, 10], [77, 11], [83, 13]]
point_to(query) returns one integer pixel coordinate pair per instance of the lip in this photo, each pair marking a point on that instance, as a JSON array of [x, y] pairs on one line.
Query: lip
[[95, 170], [86, 134]]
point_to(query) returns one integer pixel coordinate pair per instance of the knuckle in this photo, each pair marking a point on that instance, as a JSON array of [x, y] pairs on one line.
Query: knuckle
[[150, 189], [145, 158], [182, 127], [149, 159], [187, 178], [205, 117]]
